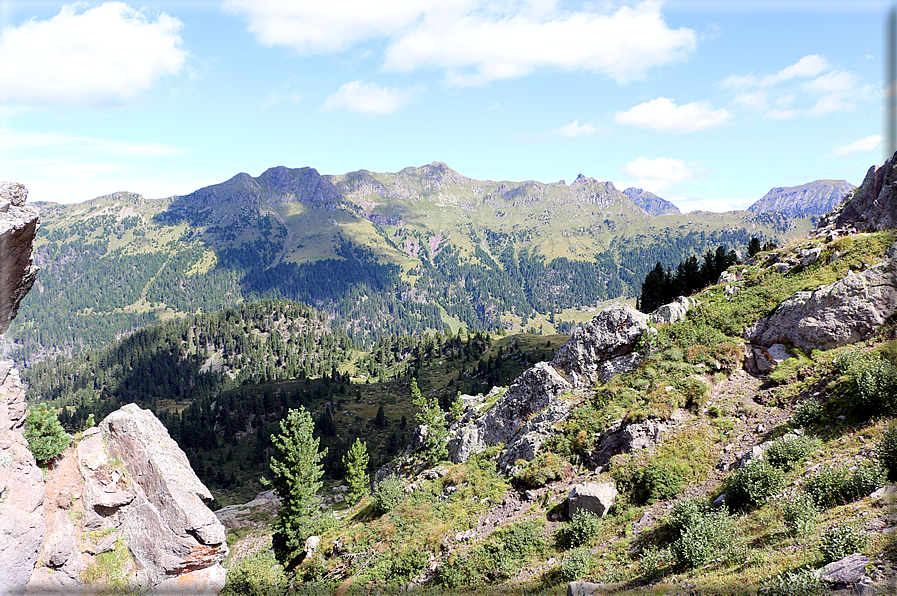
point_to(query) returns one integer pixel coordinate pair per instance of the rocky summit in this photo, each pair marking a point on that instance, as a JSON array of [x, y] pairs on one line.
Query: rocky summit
[[814, 198]]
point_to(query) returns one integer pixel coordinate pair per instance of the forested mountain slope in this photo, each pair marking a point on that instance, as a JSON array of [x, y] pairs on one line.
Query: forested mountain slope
[[424, 248]]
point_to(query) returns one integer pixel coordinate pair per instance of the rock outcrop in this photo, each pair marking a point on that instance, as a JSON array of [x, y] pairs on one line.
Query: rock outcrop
[[603, 347], [874, 204], [18, 226], [834, 315], [527, 413], [594, 497], [22, 490]]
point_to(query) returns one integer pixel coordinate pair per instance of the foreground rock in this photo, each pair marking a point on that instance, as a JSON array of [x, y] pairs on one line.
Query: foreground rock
[[844, 312], [18, 226], [127, 493], [874, 204], [22, 490]]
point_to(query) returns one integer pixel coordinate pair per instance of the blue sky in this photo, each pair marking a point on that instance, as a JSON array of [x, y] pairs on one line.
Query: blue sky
[[706, 103]]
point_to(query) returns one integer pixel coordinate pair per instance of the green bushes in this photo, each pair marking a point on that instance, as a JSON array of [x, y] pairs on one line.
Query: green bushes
[[840, 540], [833, 486], [686, 512], [663, 478], [784, 455], [800, 515], [803, 582], [544, 468], [654, 562], [752, 485], [872, 381], [707, 537], [807, 412], [887, 452], [576, 565], [45, 435], [387, 494], [501, 557], [257, 575], [582, 526], [522, 539]]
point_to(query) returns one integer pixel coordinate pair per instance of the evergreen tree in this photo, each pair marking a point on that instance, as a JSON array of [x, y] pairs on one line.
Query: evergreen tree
[[297, 469], [45, 435], [380, 420], [356, 462], [431, 416], [753, 246]]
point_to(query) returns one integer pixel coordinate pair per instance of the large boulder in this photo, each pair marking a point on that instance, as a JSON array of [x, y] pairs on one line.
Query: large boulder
[[168, 527], [834, 315], [594, 497], [675, 311], [597, 348]]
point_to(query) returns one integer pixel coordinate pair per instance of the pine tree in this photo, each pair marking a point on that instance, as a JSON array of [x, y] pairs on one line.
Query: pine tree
[[297, 469], [431, 416], [356, 462], [45, 435]]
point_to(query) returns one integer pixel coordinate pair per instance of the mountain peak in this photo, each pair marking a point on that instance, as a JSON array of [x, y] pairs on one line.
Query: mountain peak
[[650, 202], [813, 198]]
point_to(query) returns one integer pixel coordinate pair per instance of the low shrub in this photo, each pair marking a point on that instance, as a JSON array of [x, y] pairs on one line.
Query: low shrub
[[803, 582], [581, 528], [708, 537], [663, 478], [872, 381], [576, 565], [695, 393], [686, 512], [800, 515], [544, 468], [807, 413], [654, 562], [522, 539], [387, 494], [785, 455], [842, 539], [832, 486], [256, 575], [752, 485], [887, 452]]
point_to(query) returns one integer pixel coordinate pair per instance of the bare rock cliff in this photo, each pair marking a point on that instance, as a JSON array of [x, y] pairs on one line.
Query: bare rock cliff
[[874, 204], [18, 226]]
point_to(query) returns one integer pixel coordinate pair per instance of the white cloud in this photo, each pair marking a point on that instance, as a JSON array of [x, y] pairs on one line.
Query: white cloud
[[811, 78], [477, 41], [107, 54], [574, 129], [863, 145], [654, 175], [663, 114], [367, 99]]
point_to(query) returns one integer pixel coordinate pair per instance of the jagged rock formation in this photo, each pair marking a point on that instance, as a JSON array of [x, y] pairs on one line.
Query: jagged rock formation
[[874, 204], [22, 490], [524, 416], [833, 315], [650, 202], [18, 226], [813, 198]]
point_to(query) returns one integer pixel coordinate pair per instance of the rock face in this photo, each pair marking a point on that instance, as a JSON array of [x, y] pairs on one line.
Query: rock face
[[650, 202], [814, 198], [841, 313], [527, 412], [674, 311], [18, 226], [603, 347], [874, 204], [22, 490]]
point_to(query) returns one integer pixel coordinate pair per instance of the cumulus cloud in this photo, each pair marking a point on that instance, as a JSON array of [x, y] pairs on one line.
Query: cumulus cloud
[[823, 89], [863, 145], [574, 129], [654, 175], [663, 114], [102, 55], [477, 41], [367, 99]]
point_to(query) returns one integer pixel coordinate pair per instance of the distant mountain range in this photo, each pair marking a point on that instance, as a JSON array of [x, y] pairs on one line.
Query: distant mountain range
[[380, 253], [813, 198], [650, 202]]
